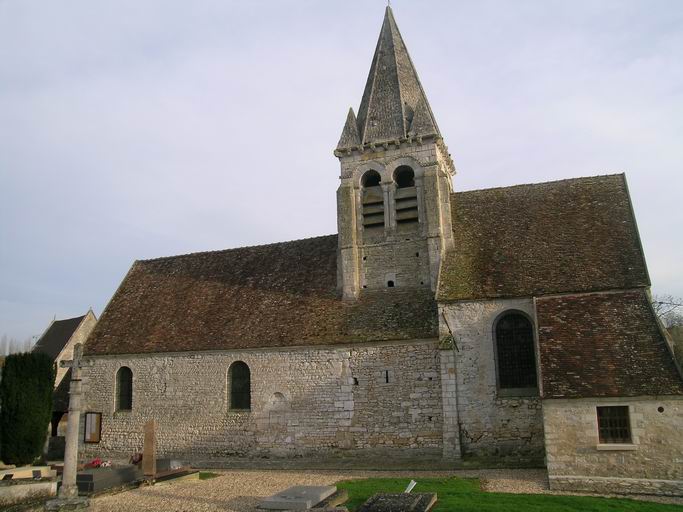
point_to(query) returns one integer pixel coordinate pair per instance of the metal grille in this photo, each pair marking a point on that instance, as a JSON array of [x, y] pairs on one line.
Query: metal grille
[[124, 385], [613, 424], [240, 386], [515, 351]]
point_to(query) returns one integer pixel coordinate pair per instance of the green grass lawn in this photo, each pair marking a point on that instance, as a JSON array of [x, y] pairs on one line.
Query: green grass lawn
[[465, 495]]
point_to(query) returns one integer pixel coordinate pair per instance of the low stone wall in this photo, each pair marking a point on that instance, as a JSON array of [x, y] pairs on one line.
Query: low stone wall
[[651, 464], [607, 485], [303, 401]]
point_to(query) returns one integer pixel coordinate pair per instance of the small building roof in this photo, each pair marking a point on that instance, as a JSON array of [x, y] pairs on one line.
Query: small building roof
[[603, 345], [53, 341], [575, 235], [276, 295]]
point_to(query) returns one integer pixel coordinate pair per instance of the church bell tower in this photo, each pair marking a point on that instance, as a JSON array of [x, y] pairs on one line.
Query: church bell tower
[[393, 202]]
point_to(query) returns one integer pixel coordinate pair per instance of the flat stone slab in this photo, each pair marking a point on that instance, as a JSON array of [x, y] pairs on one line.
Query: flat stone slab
[[404, 502], [98, 479], [299, 497], [67, 504], [27, 472], [15, 491]]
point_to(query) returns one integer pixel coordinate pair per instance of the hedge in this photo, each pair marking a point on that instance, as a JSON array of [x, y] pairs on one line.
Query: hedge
[[25, 406]]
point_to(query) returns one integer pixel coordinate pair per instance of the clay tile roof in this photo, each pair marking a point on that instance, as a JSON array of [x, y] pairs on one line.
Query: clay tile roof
[[573, 235], [605, 344], [274, 295], [57, 335]]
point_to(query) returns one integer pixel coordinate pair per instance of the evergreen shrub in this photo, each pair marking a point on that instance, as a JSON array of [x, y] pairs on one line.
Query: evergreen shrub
[[25, 406]]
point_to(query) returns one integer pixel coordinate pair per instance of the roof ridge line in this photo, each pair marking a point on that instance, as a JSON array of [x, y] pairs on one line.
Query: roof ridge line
[[232, 248], [72, 318], [423, 95], [390, 18], [373, 64], [519, 185]]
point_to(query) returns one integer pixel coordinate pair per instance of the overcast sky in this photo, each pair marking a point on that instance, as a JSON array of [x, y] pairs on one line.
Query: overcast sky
[[133, 129]]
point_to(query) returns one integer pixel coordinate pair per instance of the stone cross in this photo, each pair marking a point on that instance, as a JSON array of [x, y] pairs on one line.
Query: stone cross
[[69, 488]]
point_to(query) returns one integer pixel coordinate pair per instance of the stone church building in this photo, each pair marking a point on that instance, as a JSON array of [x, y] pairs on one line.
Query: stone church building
[[509, 322]]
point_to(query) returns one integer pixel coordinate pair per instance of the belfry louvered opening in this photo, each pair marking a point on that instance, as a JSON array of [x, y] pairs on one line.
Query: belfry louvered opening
[[407, 215], [373, 201]]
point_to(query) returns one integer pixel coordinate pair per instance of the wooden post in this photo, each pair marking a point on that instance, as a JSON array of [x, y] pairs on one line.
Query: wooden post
[[149, 451]]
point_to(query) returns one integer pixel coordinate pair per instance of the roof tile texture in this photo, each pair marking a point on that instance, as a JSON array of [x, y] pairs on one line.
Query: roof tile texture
[[393, 91], [267, 296], [602, 345], [529, 240]]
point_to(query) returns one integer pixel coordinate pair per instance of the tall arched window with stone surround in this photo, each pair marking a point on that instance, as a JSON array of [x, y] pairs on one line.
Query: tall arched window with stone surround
[[239, 382], [373, 201], [405, 199], [124, 389], [515, 355]]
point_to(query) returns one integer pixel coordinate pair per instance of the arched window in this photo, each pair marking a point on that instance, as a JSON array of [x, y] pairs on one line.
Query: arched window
[[373, 201], [124, 389], [515, 352], [405, 197], [239, 380]]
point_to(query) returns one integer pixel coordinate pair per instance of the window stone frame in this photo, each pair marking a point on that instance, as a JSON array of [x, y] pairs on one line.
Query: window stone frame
[[515, 392]]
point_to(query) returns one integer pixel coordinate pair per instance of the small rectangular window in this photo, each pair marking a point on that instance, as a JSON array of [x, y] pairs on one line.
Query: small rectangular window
[[93, 427], [614, 425]]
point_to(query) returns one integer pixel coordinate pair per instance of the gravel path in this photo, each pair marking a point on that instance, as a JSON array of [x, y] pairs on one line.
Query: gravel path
[[241, 491]]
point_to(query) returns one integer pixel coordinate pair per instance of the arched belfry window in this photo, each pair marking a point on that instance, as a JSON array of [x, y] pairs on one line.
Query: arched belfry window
[[405, 197], [373, 201], [515, 351], [239, 381], [124, 389]]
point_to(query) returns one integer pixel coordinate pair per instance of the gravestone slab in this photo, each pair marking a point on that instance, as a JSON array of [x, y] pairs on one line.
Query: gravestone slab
[[169, 464], [98, 479], [404, 502], [299, 497]]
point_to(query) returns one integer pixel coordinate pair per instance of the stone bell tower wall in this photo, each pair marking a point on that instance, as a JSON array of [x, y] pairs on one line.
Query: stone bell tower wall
[[396, 253]]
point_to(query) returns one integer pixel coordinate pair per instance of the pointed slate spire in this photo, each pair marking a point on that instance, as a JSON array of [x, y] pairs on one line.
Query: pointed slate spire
[[393, 90], [349, 137], [423, 122]]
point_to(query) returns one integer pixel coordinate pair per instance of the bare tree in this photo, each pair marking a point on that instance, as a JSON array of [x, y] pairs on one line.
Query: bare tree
[[669, 309], [4, 345]]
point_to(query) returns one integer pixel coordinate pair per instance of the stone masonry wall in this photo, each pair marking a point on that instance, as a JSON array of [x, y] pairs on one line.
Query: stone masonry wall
[[409, 255], [304, 401], [652, 464], [491, 423], [405, 263]]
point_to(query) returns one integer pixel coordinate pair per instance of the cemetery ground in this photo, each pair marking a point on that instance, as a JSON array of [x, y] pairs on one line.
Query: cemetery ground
[[461, 491]]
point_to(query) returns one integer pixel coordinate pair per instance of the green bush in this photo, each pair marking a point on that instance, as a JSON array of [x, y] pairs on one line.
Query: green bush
[[25, 406]]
